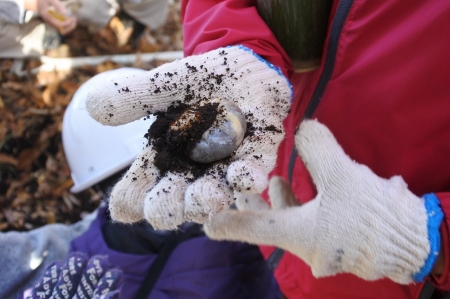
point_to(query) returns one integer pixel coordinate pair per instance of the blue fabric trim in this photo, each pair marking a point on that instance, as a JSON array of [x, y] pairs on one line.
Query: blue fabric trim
[[277, 69], [435, 216]]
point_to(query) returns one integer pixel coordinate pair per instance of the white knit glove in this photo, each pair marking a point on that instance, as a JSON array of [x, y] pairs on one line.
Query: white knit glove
[[359, 223], [233, 73]]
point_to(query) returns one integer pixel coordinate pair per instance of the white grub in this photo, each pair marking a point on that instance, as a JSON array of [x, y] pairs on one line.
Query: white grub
[[222, 138]]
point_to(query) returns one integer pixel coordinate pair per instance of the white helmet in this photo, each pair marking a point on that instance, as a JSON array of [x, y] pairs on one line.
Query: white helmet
[[93, 151]]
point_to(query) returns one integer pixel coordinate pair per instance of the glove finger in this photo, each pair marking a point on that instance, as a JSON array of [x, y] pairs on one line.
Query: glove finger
[[321, 153], [130, 97], [107, 284], [126, 202], [291, 229], [95, 269], [70, 277], [206, 197], [229, 73], [43, 289], [253, 161], [164, 204], [247, 177], [280, 194], [250, 202]]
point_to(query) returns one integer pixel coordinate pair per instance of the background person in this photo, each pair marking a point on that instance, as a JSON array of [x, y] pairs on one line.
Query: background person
[[370, 168], [23, 23]]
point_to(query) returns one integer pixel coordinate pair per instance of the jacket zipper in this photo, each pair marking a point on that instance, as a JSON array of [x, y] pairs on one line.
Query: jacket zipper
[[336, 28]]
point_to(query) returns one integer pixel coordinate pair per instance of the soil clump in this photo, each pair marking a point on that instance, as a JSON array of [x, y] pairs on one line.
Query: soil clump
[[174, 147]]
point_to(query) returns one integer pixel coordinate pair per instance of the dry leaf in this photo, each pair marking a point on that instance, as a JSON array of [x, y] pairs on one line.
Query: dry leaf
[[49, 92], [21, 198], [27, 157], [106, 66], [13, 85], [7, 159], [122, 32]]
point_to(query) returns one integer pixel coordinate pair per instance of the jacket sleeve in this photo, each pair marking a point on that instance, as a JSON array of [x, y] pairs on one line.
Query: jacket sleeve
[[12, 11], [24, 256], [210, 24], [443, 282]]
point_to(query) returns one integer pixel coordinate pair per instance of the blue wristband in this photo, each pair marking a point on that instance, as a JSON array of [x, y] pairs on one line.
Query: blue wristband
[[435, 216], [277, 69]]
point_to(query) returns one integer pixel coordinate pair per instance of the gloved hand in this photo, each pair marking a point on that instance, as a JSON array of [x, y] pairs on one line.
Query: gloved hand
[[234, 73], [78, 278], [56, 14], [358, 223]]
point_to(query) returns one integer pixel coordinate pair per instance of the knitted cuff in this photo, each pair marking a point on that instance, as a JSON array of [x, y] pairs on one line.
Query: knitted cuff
[[277, 69], [435, 216]]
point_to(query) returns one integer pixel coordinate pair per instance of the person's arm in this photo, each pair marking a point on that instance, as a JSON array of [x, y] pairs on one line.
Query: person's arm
[[358, 223], [232, 72], [208, 25], [64, 24]]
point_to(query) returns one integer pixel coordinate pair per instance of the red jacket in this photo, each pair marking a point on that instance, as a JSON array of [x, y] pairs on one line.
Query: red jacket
[[382, 89]]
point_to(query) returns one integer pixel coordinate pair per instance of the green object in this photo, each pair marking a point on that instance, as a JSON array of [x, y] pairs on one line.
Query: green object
[[300, 27]]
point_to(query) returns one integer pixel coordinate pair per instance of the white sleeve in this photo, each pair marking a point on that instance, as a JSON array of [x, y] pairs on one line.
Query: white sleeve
[[12, 11]]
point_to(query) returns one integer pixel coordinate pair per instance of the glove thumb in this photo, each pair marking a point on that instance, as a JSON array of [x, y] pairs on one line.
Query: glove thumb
[[280, 194]]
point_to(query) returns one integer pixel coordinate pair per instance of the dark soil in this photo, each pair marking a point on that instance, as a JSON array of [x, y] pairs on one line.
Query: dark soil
[[174, 147]]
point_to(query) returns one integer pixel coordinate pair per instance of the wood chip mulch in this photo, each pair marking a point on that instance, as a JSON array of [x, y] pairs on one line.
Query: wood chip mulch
[[34, 175]]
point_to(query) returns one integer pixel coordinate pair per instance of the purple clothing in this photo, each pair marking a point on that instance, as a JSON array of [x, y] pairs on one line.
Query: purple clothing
[[197, 268]]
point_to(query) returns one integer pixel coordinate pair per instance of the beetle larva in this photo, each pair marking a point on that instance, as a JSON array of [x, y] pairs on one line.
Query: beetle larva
[[224, 134]]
